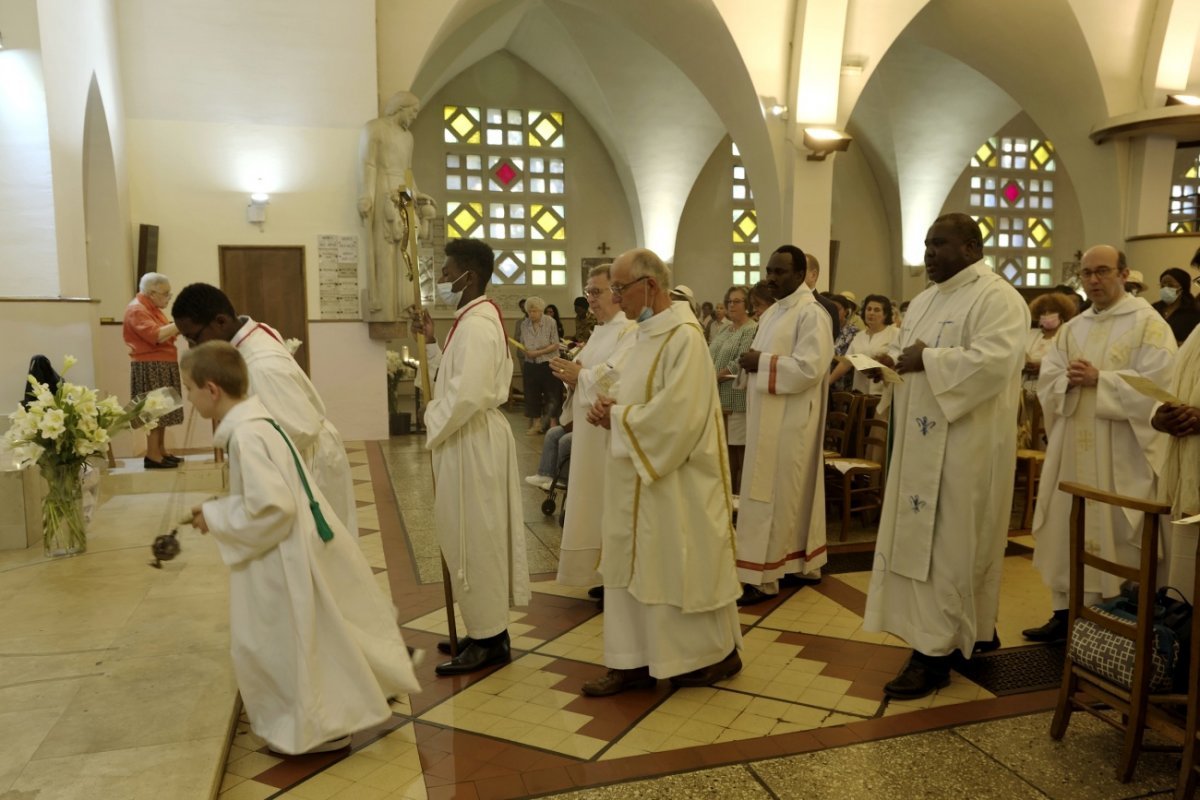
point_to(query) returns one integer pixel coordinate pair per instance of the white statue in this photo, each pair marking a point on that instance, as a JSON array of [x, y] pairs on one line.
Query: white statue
[[395, 213]]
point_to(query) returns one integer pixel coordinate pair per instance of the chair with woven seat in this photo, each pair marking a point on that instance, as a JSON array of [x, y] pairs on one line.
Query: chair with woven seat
[[1031, 459], [1084, 690], [865, 477]]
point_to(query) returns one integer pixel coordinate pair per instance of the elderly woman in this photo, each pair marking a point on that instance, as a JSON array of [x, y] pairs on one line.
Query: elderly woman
[[760, 300], [726, 348], [150, 337], [539, 336], [1050, 311], [872, 341]]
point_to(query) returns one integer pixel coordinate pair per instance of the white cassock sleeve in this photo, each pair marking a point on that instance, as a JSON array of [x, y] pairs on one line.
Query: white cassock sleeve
[[808, 363], [963, 377], [466, 385], [433, 355], [250, 524], [287, 402], [602, 378], [1117, 400], [660, 435]]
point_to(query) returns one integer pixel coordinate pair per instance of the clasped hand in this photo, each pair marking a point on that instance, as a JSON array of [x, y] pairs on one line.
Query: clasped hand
[[1177, 420], [600, 413], [1080, 372]]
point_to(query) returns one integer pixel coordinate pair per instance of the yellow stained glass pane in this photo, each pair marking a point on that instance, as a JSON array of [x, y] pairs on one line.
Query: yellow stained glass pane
[[748, 225], [985, 156], [461, 125], [561, 233], [449, 111]]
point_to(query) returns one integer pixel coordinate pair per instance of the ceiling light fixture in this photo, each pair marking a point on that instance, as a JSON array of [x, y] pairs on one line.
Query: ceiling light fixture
[[823, 141]]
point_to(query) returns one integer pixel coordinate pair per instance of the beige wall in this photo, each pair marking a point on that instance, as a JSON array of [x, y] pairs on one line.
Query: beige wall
[[704, 248], [868, 248]]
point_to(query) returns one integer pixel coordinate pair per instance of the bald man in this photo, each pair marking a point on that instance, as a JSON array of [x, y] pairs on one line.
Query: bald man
[[1099, 429]]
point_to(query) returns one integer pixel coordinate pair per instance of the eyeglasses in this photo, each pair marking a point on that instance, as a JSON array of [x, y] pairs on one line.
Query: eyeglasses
[[735, 300], [594, 292], [618, 288], [1098, 272]]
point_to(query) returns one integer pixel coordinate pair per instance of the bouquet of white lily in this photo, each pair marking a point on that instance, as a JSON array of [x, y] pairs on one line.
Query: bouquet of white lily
[[58, 431]]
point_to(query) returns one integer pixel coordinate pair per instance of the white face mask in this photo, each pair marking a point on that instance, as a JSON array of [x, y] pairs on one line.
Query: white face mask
[[446, 293], [1168, 294], [1048, 322]]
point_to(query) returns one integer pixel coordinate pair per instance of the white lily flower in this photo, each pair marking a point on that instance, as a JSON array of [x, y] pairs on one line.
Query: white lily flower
[[53, 423]]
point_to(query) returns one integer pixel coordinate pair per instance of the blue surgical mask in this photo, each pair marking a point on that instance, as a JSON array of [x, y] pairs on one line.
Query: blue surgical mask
[[646, 314], [1168, 294]]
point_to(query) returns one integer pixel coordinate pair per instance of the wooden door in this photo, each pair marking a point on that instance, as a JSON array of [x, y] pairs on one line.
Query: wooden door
[[267, 284]]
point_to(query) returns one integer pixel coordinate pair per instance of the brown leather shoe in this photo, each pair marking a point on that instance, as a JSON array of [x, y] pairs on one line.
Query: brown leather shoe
[[706, 676], [620, 680]]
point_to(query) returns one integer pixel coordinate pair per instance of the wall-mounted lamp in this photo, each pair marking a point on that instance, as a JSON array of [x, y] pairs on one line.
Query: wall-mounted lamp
[[256, 211], [777, 110], [772, 107], [1183, 100], [823, 141]]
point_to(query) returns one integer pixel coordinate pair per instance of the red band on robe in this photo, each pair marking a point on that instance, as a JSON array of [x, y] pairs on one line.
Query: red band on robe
[[499, 314], [797, 556], [257, 326], [771, 377]]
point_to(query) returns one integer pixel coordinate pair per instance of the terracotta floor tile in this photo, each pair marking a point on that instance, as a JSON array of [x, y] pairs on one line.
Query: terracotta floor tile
[[500, 788], [457, 791], [547, 780]]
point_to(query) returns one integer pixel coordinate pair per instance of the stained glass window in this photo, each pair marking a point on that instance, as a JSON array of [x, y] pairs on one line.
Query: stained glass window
[[506, 182], [746, 268], [1183, 215], [1011, 196]]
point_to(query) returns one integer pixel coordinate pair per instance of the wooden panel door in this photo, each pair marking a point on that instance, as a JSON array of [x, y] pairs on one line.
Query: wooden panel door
[[267, 283]]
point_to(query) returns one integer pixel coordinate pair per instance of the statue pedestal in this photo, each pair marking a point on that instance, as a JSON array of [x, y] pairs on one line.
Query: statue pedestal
[[21, 494], [385, 331]]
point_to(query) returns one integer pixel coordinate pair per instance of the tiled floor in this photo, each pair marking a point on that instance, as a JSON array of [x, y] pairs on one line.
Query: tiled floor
[[805, 717]]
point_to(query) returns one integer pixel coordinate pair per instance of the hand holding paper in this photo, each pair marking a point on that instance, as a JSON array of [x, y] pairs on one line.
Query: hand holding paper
[[863, 363], [1150, 389]]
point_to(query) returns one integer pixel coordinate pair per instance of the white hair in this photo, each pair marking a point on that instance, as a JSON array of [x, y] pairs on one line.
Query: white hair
[[646, 263], [535, 303], [152, 279]]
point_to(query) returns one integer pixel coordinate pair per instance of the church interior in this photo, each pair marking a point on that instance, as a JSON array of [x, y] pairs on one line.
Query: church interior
[[221, 142]]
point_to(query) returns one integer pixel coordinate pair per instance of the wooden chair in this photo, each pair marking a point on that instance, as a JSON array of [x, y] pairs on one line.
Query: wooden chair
[[840, 420], [1083, 690], [866, 477], [1029, 467]]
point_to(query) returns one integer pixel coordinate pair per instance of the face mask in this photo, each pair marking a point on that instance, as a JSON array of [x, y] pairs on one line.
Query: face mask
[[1049, 321], [646, 312], [446, 293], [1168, 294]]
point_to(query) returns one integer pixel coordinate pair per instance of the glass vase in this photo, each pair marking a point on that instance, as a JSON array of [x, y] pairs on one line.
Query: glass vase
[[63, 530]]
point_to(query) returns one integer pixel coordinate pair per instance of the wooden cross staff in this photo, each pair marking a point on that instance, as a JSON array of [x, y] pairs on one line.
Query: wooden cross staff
[[407, 203]]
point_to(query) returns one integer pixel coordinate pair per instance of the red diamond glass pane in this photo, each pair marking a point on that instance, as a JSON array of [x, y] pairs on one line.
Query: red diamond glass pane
[[1011, 192], [506, 173]]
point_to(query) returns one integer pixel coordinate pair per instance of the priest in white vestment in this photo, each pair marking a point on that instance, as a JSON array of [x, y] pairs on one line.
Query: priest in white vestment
[[1179, 483], [593, 372], [781, 501], [477, 495], [315, 645], [1099, 431], [944, 526], [667, 555], [203, 313]]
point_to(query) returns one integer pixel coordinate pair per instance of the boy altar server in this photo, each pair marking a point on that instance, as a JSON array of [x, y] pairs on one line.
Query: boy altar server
[[315, 645]]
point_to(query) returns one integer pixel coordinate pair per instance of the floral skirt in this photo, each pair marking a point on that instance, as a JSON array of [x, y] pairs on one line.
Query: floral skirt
[[145, 376]]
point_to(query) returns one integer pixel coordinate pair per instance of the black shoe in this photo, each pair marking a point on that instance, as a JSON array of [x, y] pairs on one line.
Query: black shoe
[[463, 643], [172, 459], [1053, 631], [752, 594], [616, 681], [791, 579], [476, 657], [921, 676], [149, 463], [988, 646], [596, 592]]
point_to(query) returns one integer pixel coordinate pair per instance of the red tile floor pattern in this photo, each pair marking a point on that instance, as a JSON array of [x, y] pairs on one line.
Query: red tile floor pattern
[[463, 764]]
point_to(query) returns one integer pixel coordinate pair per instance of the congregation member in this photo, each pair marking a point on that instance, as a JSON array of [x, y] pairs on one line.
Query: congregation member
[[718, 323], [204, 313], [873, 341], [726, 348], [853, 316], [1135, 284], [539, 338], [593, 372], [761, 299], [477, 495], [1176, 303], [150, 338], [944, 525], [705, 316], [585, 321], [1051, 311], [812, 273], [315, 646], [667, 556], [781, 501], [1099, 431]]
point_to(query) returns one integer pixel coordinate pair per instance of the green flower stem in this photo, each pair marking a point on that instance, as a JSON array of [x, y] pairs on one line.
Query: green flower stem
[[63, 530]]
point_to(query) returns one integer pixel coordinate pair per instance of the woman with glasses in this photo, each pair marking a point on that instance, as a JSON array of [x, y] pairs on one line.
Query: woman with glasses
[[150, 337], [1176, 303], [726, 348]]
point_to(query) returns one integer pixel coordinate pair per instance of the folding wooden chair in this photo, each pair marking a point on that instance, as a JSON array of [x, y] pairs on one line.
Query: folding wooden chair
[[1084, 690], [1031, 459]]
